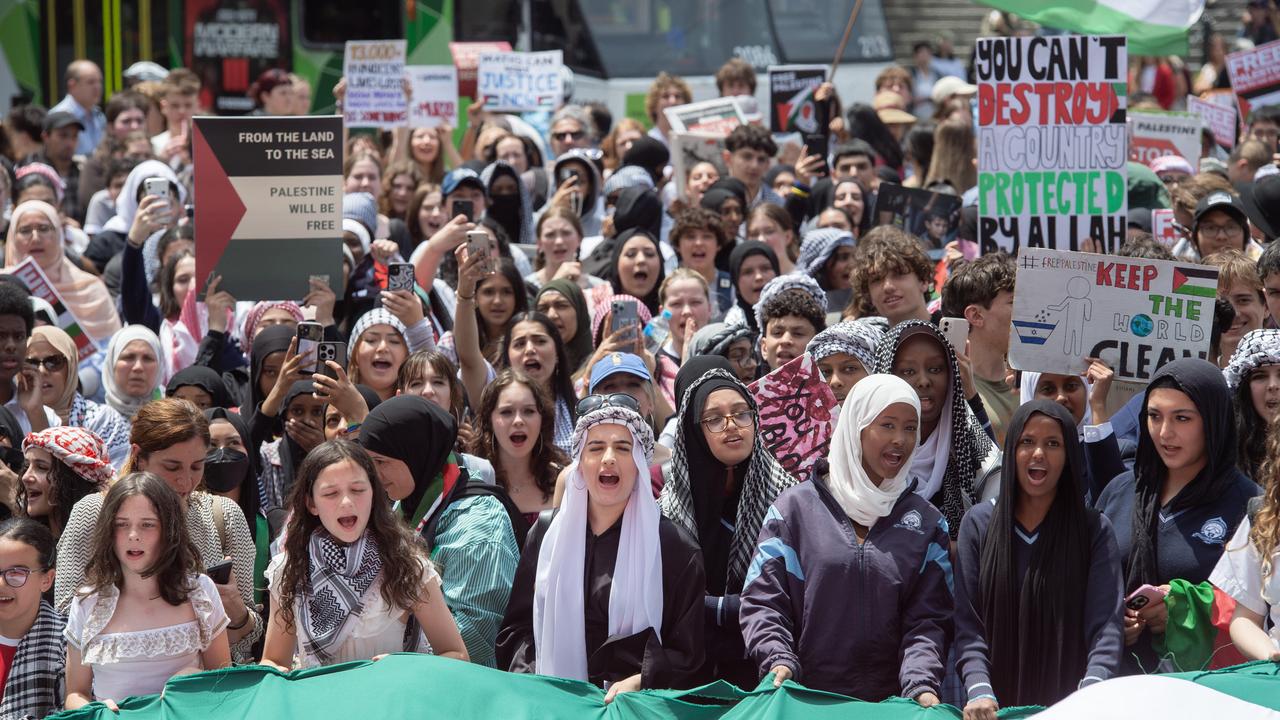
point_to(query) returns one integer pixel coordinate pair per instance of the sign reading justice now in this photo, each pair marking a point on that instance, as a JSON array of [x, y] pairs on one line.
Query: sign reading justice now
[[1052, 141]]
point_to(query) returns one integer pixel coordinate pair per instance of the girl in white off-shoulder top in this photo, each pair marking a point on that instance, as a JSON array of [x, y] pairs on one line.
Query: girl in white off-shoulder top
[[145, 614]]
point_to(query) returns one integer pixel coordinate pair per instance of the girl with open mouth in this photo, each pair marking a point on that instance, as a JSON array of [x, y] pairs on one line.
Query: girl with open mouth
[[64, 464], [515, 423], [1254, 378]]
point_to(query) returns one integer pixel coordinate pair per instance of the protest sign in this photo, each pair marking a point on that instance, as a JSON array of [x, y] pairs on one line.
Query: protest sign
[[797, 414], [712, 117], [1156, 134], [1164, 227], [1136, 315], [30, 273], [269, 204], [1218, 117], [520, 82], [1255, 76], [791, 104], [689, 149], [434, 99], [466, 57], [1052, 141], [374, 70], [931, 216]]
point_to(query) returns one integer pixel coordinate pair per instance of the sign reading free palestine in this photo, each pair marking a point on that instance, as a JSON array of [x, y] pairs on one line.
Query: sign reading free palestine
[[1052, 141]]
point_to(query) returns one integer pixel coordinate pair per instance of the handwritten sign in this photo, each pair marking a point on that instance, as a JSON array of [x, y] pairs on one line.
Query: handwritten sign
[[710, 117], [374, 70], [1052, 141], [689, 149], [434, 99], [1255, 76], [797, 414], [1220, 118], [1156, 134], [520, 82], [30, 273], [1136, 315]]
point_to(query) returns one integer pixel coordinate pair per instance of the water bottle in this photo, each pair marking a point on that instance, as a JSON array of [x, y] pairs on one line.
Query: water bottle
[[656, 332]]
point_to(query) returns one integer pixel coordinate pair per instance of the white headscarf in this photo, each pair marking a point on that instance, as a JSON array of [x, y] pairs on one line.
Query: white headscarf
[[124, 403], [1027, 393], [862, 500], [635, 598]]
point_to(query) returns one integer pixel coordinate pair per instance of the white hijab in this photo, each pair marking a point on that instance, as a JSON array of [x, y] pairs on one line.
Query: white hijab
[[635, 598], [124, 403], [1027, 393], [932, 456], [862, 500]]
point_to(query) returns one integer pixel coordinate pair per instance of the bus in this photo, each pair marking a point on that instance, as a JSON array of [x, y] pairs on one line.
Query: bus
[[613, 47]]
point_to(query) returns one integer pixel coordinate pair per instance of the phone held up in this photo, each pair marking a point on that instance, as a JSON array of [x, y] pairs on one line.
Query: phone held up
[[310, 334]]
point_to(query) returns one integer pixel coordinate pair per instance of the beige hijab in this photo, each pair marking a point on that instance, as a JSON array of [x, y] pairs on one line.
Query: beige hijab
[[66, 347]]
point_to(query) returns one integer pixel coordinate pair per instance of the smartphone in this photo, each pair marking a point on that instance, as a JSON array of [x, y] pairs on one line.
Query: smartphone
[[479, 243], [956, 331], [400, 276], [335, 351], [623, 315], [220, 573], [310, 334], [1143, 597], [204, 289], [464, 208], [159, 187]]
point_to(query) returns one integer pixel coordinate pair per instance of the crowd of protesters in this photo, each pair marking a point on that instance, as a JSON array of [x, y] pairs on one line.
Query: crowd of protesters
[[507, 474]]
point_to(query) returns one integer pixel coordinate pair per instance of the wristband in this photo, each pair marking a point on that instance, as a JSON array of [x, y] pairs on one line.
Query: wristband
[[351, 428], [466, 297]]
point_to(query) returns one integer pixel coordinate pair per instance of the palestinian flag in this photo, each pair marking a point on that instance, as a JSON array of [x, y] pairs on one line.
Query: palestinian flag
[[1195, 280], [1153, 27]]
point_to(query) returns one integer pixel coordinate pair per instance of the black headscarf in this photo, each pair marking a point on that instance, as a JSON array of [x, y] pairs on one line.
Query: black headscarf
[[777, 170], [1034, 625], [419, 434], [638, 207], [207, 379], [723, 188], [10, 428], [249, 501], [291, 453], [1204, 384], [271, 340], [371, 397], [579, 349], [651, 300], [738, 256]]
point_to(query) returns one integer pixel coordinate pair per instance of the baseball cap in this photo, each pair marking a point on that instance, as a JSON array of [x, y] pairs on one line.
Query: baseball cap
[[60, 119], [616, 363], [456, 178], [1226, 202], [950, 85]]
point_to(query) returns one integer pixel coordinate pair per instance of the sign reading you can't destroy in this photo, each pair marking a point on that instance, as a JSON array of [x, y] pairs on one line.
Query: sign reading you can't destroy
[[1136, 315], [1052, 141]]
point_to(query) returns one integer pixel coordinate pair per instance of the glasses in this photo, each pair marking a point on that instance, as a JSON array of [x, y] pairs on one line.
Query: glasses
[[16, 577], [53, 363], [591, 403], [569, 135], [720, 423], [33, 230], [1228, 230]]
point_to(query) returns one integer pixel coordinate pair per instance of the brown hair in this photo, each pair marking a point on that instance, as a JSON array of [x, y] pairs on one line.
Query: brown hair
[[415, 206], [357, 156], [415, 367], [894, 72], [659, 86], [177, 560], [682, 273], [977, 282], [1236, 267], [161, 424], [954, 149], [609, 146], [399, 167], [736, 70], [783, 219], [555, 211], [181, 81], [697, 218], [402, 557], [1265, 530], [547, 460], [435, 173], [887, 249]]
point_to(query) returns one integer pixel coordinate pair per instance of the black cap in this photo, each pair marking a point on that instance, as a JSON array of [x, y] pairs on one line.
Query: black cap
[[60, 119], [1262, 203], [1227, 203], [648, 153]]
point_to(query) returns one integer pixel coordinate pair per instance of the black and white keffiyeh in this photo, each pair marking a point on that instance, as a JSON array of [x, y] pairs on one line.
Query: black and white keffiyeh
[[340, 577], [35, 686], [790, 281], [716, 338], [858, 338], [1256, 348]]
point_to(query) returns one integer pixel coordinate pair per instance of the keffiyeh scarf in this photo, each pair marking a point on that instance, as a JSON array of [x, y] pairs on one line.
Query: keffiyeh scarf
[[1256, 348], [340, 577], [857, 338]]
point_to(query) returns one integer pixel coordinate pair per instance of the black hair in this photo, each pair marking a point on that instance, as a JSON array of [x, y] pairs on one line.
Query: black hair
[[507, 269], [1251, 430], [120, 166], [29, 181], [600, 116], [1269, 261], [865, 123], [919, 144], [30, 532], [562, 379], [1266, 113], [753, 137], [13, 301], [793, 302], [28, 120], [853, 147], [1224, 313], [925, 44], [66, 488]]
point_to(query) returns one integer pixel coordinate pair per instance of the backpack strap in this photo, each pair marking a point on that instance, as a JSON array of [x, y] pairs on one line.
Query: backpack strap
[[220, 523]]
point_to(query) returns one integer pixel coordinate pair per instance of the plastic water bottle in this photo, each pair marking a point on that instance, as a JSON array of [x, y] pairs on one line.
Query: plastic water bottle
[[656, 332]]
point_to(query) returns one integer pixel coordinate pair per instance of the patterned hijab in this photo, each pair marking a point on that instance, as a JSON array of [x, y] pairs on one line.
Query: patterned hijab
[[856, 338], [692, 497], [959, 441]]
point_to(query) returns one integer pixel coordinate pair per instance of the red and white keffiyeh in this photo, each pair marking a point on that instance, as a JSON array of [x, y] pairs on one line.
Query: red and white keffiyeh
[[77, 448]]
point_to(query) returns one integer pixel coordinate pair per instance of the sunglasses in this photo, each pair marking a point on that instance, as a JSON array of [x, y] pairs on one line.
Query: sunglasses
[[569, 135], [591, 403], [53, 363]]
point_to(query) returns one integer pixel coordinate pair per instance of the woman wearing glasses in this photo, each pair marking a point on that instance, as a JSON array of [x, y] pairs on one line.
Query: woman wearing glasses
[[718, 485], [52, 355], [607, 591], [32, 648]]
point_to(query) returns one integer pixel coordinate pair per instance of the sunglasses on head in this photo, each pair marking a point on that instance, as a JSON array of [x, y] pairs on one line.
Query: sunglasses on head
[[592, 403]]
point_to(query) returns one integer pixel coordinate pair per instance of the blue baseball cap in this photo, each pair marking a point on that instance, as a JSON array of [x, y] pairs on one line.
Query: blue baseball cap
[[456, 178], [616, 363]]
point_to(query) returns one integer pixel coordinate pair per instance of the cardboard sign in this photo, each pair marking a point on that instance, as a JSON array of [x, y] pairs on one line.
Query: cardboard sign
[[932, 217], [268, 204], [466, 57], [374, 70], [1154, 135], [689, 149], [797, 414], [1136, 315], [520, 82], [1255, 76], [30, 273], [434, 99], [791, 104], [1164, 227], [1219, 118], [1052, 141], [710, 117]]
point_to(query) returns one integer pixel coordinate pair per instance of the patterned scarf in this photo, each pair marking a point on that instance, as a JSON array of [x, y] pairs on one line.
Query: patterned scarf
[[35, 685], [764, 480], [340, 576], [968, 444]]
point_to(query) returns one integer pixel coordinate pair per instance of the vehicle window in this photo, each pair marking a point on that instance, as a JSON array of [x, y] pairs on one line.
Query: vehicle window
[[809, 30], [331, 24]]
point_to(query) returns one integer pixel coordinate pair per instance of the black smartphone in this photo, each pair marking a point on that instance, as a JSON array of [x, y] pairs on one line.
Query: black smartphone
[[204, 289], [465, 208], [310, 334], [220, 573], [335, 351]]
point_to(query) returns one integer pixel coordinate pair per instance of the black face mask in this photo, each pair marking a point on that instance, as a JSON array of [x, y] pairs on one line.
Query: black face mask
[[505, 209], [224, 469]]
